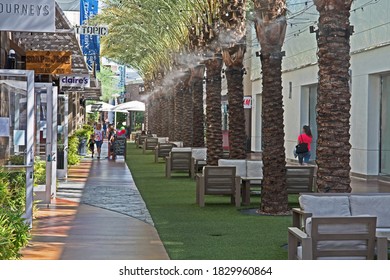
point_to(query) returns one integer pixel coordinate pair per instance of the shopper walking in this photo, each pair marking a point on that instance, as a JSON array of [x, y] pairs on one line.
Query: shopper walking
[[303, 147], [98, 132], [91, 144], [111, 139]]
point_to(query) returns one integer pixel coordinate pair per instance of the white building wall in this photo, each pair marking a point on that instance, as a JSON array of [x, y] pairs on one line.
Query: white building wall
[[370, 48]]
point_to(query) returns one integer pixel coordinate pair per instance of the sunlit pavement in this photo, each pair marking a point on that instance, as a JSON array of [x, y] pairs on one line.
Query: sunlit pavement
[[98, 214]]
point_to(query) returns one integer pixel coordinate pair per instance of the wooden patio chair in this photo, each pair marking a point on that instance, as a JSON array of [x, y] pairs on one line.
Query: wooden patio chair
[[218, 180], [141, 139], [348, 238], [150, 144], [300, 179], [162, 150], [178, 161]]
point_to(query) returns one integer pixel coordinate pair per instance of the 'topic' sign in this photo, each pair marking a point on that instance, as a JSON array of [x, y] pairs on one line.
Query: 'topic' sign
[[92, 30]]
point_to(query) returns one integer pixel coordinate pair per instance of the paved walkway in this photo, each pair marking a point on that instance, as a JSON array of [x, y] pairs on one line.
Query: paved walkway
[[98, 215]]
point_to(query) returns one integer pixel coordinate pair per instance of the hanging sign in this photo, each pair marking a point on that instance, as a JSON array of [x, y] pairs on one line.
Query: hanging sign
[[247, 102], [49, 62], [75, 81], [27, 15], [92, 30]]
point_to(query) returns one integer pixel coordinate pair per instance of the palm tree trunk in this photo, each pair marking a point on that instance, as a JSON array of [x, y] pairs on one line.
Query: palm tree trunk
[[271, 29], [178, 135], [165, 115], [171, 113], [237, 137], [187, 112], [197, 101], [159, 114], [213, 111], [334, 97], [274, 197], [233, 44]]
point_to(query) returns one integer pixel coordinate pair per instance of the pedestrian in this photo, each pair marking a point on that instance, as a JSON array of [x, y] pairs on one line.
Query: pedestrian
[[98, 132], [303, 147], [91, 144], [111, 141], [104, 129]]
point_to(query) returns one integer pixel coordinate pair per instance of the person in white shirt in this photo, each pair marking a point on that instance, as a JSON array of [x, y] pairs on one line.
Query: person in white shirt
[[98, 138]]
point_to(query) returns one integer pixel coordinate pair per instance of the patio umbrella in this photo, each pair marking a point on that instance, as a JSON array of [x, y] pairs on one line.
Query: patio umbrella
[[99, 106], [131, 106]]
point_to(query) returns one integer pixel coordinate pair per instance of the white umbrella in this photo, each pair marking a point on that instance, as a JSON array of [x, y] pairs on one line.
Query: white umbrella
[[131, 106], [99, 106]]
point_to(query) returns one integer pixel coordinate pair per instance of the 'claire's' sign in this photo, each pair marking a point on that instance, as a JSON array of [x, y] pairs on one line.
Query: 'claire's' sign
[[78, 81], [27, 15]]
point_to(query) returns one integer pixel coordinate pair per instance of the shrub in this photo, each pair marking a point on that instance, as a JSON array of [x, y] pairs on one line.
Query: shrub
[[17, 159], [84, 132], [14, 234], [14, 231], [73, 157], [39, 171]]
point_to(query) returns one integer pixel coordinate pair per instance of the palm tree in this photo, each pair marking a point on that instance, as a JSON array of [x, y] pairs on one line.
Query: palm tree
[[187, 110], [270, 24], [334, 97], [213, 110], [232, 40], [197, 101]]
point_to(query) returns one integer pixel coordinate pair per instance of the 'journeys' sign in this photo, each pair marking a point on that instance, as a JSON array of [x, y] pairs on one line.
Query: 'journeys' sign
[[78, 81], [49, 62], [27, 15]]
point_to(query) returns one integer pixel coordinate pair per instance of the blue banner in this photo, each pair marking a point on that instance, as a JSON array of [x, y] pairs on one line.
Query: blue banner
[[90, 45], [122, 82]]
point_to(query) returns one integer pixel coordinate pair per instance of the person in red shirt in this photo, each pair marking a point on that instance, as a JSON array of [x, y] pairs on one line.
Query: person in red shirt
[[305, 137]]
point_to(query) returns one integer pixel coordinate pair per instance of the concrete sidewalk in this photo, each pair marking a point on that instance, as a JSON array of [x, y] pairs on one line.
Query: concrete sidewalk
[[98, 215]]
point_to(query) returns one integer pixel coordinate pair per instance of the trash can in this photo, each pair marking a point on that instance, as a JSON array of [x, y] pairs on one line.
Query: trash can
[[83, 147], [60, 159]]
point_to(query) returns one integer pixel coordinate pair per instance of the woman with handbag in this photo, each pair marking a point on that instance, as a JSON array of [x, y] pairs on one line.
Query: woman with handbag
[[303, 147]]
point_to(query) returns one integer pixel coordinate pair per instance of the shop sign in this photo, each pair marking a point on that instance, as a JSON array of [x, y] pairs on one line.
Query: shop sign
[[247, 102], [49, 62], [27, 15], [92, 30], [75, 81]]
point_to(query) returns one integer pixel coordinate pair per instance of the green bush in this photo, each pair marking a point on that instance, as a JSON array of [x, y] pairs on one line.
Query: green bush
[[17, 159], [73, 144], [84, 132], [39, 171], [14, 231]]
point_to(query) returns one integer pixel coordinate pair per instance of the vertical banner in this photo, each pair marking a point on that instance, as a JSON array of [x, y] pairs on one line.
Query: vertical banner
[[90, 44], [122, 82]]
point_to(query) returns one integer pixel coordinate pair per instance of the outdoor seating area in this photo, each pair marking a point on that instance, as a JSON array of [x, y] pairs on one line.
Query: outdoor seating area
[[316, 229]]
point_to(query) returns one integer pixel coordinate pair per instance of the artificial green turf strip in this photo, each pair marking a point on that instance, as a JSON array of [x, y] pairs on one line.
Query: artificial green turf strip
[[217, 231]]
